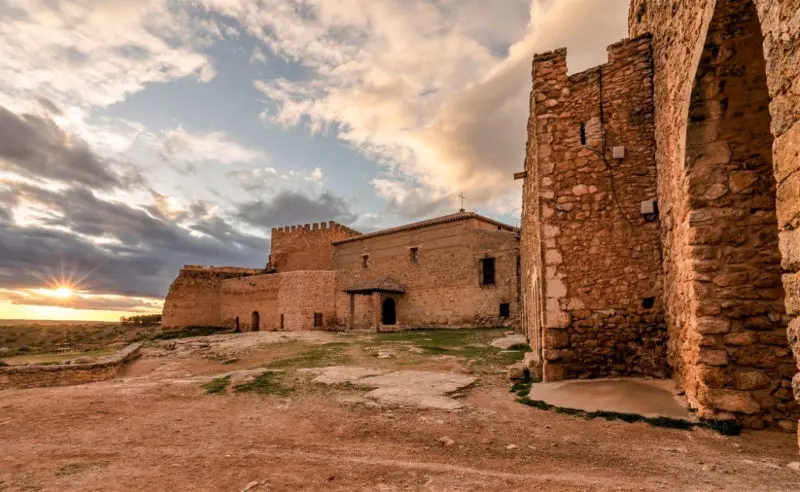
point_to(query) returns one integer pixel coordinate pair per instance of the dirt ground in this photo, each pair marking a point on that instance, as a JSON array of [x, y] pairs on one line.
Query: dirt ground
[[188, 415]]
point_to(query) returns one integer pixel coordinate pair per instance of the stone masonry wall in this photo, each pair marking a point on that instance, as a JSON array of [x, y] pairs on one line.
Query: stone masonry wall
[[194, 296], [602, 265], [725, 322], [296, 296], [443, 289], [65, 374], [306, 247]]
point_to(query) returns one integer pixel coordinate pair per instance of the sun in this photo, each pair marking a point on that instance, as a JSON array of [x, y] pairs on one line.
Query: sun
[[63, 292]]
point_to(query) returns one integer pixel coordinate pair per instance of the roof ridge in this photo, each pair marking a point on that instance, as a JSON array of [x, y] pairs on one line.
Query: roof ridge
[[443, 219]]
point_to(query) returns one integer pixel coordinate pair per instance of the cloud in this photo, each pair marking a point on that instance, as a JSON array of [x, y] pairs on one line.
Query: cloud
[[199, 147], [436, 91], [85, 53], [35, 146], [113, 247], [36, 297], [289, 208]]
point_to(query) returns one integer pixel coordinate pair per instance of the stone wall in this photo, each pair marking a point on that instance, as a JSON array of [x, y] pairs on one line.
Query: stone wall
[[284, 301], [194, 296], [443, 288], [36, 376], [306, 247], [600, 262], [727, 88]]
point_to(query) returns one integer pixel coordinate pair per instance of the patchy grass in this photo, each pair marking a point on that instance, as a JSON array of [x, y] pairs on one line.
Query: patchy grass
[[217, 385], [191, 331], [268, 383], [56, 358], [75, 468], [19, 337], [328, 354]]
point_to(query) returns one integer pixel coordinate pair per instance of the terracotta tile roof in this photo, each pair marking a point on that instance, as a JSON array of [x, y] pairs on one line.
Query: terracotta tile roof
[[385, 284], [430, 222]]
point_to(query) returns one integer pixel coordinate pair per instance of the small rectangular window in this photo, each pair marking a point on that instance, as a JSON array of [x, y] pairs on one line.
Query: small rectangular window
[[281, 321], [365, 261], [487, 271], [317, 320], [505, 310], [413, 255]]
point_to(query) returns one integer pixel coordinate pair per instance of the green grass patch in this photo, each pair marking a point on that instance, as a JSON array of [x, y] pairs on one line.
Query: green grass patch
[[191, 331], [315, 356], [728, 428], [217, 385], [268, 383]]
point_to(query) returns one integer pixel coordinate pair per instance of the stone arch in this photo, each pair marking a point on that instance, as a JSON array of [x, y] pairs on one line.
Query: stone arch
[[729, 350], [255, 321], [388, 312]]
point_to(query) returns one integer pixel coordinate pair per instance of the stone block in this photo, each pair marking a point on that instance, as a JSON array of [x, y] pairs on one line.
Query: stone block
[[740, 339], [713, 326], [553, 372], [712, 357], [556, 338], [789, 242], [791, 286], [729, 400], [787, 204], [751, 379], [786, 153]]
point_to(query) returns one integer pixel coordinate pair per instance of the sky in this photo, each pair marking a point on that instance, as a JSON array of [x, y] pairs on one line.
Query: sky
[[140, 135]]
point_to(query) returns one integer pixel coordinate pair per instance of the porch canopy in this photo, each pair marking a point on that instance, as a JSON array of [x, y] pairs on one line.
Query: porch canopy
[[385, 285]]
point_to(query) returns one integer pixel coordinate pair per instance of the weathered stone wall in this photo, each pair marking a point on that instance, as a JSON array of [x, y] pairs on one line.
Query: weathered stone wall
[[296, 296], [306, 247], [241, 297], [600, 258], [443, 288], [714, 60], [194, 296], [304, 293], [36, 376]]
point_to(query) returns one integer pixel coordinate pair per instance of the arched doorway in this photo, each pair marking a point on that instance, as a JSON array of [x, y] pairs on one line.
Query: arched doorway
[[732, 300], [255, 322], [236, 326], [388, 312]]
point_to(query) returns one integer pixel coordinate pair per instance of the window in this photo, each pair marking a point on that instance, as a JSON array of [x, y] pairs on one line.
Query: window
[[317, 320], [413, 255], [487, 271], [583, 134], [648, 302], [505, 310], [365, 261], [281, 321]]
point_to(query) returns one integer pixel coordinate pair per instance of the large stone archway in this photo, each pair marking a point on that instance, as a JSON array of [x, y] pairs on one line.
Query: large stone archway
[[697, 146]]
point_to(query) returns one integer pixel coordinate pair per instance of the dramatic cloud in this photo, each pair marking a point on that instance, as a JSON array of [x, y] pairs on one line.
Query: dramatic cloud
[[35, 146], [435, 90], [79, 300], [289, 208]]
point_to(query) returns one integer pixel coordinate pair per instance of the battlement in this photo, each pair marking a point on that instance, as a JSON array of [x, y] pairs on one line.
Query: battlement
[[222, 269], [315, 227]]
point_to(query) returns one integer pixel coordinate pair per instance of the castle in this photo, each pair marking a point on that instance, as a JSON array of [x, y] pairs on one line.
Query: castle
[[455, 271], [660, 231], [661, 212]]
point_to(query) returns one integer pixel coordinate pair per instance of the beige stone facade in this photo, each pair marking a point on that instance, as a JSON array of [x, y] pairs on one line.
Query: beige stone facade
[[708, 97], [456, 271]]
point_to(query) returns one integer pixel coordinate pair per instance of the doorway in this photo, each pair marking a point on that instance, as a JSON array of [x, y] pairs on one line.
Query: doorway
[[255, 322], [389, 312]]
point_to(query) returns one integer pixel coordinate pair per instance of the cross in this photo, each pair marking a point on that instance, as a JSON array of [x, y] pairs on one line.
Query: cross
[[461, 196]]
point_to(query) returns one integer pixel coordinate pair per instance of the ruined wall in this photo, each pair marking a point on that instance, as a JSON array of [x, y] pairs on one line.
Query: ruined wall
[[194, 296], [294, 295], [68, 374], [443, 288], [718, 203], [306, 247], [601, 260]]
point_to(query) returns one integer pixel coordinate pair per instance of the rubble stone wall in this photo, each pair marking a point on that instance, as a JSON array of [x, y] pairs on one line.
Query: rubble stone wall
[[241, 297], [194, 296], [66, 374], [727, 88], [443, 289], [600, 263], [306, 247]]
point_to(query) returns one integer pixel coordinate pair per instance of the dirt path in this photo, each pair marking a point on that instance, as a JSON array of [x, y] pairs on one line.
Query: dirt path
[[160, 430]]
